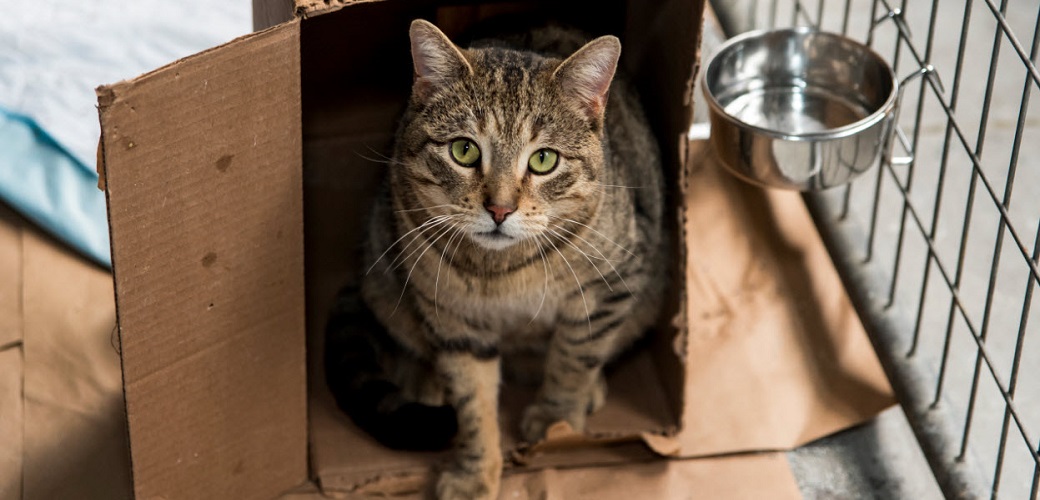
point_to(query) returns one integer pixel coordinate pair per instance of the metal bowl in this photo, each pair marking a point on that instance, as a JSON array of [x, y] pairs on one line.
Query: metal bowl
[[798, 108]]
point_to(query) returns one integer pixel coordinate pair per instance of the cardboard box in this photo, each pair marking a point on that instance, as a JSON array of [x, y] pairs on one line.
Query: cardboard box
[[237, 183]]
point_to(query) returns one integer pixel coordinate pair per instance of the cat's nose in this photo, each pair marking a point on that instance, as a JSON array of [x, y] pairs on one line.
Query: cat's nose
[[498, 212]]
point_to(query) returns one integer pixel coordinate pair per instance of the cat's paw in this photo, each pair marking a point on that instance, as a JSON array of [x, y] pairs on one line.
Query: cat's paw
[[458, 484], [540, 416]]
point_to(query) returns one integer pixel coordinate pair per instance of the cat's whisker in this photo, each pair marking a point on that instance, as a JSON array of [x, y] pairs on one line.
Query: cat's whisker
[[404, 254], [387, 161], [436, 230], [581, 289], [579, 250], [406, 210], [380, 157], [605, 259], [456, 231], [601, 235], [617, 186], [403, 236], [408, 278], [545, 271], [421, 230], [590, 245], [457, 245]]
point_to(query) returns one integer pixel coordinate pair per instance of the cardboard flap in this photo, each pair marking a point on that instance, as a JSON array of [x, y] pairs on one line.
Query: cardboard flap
[[203, 176]]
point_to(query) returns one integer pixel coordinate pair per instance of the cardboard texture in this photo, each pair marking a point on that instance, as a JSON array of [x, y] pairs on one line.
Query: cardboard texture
[[204, 194], [227, 170]]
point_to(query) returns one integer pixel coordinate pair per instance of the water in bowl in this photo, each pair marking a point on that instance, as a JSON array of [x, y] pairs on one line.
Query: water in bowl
[[795, 110]]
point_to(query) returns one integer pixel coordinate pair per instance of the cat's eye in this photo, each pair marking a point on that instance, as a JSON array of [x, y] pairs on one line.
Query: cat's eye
[[465, 152], [543, 161]]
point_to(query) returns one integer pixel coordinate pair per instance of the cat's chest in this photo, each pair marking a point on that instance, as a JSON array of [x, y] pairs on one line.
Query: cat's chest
[[516, 311]]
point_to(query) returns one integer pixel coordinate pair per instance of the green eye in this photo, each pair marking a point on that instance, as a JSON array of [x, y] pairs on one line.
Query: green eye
[[543, 161], [465, 152]]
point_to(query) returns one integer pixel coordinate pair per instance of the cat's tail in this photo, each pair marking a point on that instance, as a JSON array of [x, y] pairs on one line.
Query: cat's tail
[[355, 342]]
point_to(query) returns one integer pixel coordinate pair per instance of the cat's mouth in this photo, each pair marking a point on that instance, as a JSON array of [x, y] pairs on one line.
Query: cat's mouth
[[495, 234], [494, 239]]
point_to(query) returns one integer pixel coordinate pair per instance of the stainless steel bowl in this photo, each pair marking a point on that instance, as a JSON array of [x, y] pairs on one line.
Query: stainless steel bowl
[[798, 108]]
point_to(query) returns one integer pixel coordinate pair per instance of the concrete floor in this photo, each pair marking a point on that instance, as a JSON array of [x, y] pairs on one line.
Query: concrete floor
[[880, 460], [875, 460]]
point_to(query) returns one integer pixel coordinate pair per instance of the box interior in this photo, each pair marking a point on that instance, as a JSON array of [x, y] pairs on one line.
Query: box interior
[[356, 76]]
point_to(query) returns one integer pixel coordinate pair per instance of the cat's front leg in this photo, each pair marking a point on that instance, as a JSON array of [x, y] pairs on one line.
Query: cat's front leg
[[472, 380], [573, 385]]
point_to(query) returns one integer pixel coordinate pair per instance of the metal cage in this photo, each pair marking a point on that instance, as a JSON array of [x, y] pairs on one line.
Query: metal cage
[[940, 254]]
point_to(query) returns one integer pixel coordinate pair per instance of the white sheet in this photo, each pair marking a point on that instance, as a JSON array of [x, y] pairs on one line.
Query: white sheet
[[53, 53]]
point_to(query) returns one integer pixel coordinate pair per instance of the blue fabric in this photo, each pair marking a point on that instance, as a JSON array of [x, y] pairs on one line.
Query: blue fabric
[[52, 188]]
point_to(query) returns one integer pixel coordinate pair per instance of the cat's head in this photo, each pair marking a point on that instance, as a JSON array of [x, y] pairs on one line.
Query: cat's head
[[510, 144]]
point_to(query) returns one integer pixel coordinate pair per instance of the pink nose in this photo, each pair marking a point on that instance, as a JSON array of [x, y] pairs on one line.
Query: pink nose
[[499, 212]]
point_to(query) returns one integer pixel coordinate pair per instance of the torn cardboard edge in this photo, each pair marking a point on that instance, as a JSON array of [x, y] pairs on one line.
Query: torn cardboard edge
[[311, 8]]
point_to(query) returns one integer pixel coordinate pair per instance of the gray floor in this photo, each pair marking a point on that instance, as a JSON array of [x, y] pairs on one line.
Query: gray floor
[[875, 460], [880, 460]]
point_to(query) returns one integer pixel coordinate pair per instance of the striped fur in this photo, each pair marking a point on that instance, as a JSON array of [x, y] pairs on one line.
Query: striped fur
[[573, 276]]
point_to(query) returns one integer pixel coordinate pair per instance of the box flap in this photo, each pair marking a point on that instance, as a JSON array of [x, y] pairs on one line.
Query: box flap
[[203, 176]]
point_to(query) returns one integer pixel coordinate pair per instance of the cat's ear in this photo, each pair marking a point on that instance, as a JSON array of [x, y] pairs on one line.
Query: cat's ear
[[586, 74], [435, 58]]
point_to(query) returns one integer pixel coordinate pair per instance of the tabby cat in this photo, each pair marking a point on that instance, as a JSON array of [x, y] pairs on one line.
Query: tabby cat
[[521, 218]]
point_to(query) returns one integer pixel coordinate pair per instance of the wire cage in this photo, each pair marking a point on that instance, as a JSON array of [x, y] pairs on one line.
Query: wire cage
[[940, 253]]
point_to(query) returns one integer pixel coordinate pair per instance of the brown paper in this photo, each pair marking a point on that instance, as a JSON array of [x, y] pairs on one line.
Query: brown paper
[[764, 475], [753, 476], [11, 398], [11, 422], [10, 277], [777, 356], [75, 434]]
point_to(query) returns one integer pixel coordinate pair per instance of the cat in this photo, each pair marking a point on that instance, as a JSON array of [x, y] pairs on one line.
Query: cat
[[523, 216]]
